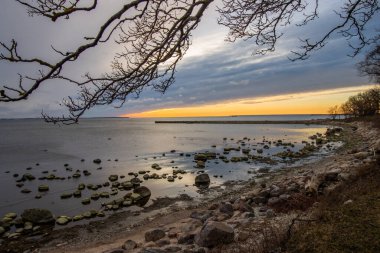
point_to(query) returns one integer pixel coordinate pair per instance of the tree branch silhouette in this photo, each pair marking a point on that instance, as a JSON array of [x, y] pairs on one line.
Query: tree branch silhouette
[[154, 36]]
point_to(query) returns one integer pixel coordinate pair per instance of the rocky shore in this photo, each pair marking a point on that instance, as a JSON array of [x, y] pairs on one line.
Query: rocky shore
[[245, 218]]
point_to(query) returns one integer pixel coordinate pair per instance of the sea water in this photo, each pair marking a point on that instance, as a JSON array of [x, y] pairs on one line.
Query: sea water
[[127, 145]]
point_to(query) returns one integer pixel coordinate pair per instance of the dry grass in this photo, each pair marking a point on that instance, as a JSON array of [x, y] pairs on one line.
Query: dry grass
[[374, 120], [297, 202], [264, 237], [353, 227]]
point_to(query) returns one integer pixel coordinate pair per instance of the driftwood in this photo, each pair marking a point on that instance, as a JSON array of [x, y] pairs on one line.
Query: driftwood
[[312, 187]]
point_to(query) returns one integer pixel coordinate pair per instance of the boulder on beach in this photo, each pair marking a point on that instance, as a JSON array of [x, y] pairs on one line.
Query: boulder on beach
[[38, 216], [129, 245], [202, 180], [154, 235], [215, 233]]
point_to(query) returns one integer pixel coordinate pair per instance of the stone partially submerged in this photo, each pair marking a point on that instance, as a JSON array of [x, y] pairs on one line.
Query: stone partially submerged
[[202, 180], [38, 216], [142, 194]]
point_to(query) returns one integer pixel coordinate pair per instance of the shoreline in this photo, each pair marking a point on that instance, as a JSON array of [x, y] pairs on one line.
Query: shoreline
[[99, 236], [258, 122]]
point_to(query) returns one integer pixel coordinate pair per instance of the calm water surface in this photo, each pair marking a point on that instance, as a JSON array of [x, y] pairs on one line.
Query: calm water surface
[[136, 144]]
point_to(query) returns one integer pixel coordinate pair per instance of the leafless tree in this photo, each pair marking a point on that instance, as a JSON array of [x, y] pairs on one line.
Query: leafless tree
[[334, 111], [370, 66], [155, 34]]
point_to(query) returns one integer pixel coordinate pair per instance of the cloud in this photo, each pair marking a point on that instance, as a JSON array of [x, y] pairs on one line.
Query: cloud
[[213, 71]]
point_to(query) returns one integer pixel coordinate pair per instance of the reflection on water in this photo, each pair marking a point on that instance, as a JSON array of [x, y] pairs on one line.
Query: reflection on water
[[124, 146]]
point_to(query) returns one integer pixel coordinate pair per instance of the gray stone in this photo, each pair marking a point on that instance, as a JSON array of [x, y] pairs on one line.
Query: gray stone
[[273, 201], [43, 188], [376, 147], [113, 178], [162, 242], [242, 206], [260, 200], [143, 191], [97, 161], [172, 249], [284, 197], [201, 215], [226, 208], [347, 202], [152, 250], [215, 233], [332, 175], [129, 245], [202, 179], [11, 215], [187, 238], [38, 216], [154, 235], [63, 220], [115, 251], [200, 164], [361, 155]]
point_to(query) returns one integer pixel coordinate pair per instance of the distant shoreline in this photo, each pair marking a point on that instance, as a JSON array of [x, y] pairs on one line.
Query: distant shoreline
[[260, 122]]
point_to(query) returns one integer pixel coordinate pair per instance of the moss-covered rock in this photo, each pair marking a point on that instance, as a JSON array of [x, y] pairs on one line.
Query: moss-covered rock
[[63, 220], [86, 201], [113, 178], [37, 216], [43, 188]]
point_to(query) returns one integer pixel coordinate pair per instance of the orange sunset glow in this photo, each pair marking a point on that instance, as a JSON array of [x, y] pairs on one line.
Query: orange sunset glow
[[316, 102]]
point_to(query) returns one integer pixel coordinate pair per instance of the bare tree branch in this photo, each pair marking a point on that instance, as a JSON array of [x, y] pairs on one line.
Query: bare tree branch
[[154, 35], [260, 20], [370, 66], [55, 9]]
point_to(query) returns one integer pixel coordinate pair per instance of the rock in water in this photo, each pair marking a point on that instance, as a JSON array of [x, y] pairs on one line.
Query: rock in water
[[97, 161], [38, 216], [215, 233], [154, 235], [2, 230], [10, 215], [63, 220], [142, 191], [202, 179], [43, 188], [113, 178]]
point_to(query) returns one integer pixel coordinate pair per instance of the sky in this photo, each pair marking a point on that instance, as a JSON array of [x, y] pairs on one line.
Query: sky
[[215, 78]]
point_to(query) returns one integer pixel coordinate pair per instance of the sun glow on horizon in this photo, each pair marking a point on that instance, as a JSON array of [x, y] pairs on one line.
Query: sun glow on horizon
[[316, 102]]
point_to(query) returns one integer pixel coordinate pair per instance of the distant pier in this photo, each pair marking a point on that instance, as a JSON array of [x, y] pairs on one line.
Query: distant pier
[[301, 122]]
